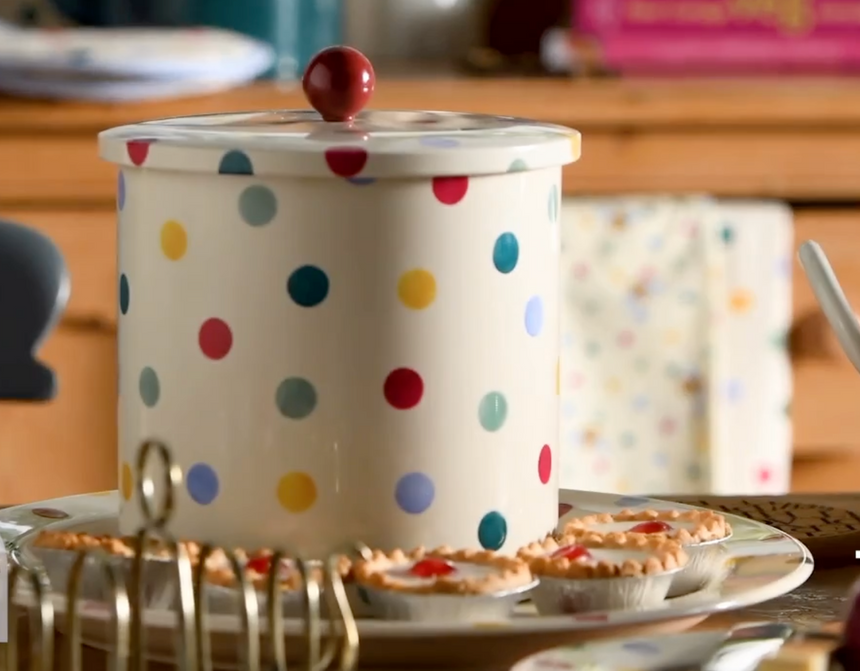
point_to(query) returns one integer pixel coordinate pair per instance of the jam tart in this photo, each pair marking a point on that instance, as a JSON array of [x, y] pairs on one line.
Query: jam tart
[[687, 527]]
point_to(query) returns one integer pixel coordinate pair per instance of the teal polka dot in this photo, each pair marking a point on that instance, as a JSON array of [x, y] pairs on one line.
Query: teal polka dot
[[124, 294], [553, 205], [235, 163], [308, 286], [592, 349], [296, 398], [519, 165], [492, 531], [506, 253], [149, 387], [493, 411], [257, 205]]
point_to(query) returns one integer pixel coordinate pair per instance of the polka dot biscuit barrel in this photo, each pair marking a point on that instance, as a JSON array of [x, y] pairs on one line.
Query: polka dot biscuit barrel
[[343, 328]]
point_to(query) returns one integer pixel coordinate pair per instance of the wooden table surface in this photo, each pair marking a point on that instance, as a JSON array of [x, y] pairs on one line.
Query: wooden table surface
[[818, 604]]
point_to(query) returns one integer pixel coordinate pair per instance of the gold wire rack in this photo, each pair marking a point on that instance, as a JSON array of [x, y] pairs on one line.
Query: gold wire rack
[[330, 642]]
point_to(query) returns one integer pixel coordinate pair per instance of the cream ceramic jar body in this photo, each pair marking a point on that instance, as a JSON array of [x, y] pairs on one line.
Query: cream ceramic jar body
[[333, 360]]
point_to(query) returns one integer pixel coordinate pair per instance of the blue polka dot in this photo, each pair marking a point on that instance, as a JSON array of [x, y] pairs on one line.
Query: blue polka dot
[[492, 531], [257, 205], [124, 294], [631, 501], [202, 483], [296, 398], [308, 286], [439, 142], [519, 165], [534, 316], [414, 493], [661, 460], [361, 181], [235, 163], [506, 252], [734, 390], [120, 191]]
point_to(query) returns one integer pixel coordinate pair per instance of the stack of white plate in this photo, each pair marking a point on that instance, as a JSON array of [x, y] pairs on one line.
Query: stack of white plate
[[120, 64]]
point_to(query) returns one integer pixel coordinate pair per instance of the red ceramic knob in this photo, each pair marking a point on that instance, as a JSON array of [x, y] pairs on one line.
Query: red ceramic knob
[[338, 83]]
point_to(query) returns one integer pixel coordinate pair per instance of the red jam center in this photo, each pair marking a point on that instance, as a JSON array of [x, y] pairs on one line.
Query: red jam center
[[571, 552], [260, 564], [432, 568], [652, 527]]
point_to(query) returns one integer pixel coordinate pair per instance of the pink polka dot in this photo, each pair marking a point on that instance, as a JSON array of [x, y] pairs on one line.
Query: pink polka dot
[[626, 339], [545, 464], [580, 271], [575, 380], [667, 426], [450, 190], [765, 475], [346, 161], [215, 339], [601, 466], [137, 150], [403, 388]]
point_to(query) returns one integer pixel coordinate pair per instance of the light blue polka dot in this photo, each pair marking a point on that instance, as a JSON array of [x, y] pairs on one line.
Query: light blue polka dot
[[235, 163], [641, 402], [734, 390], [661, 460], [257, 205], [492, 531], [631, 501], [519, 165], [506, 253], [202, 483], [439, 142], [296, 398], [414, 493], [642, 647], [534, 316], [120, 191], [553, 205]]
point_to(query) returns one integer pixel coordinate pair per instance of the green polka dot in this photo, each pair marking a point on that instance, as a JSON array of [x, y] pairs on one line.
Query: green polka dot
[[296, 398], [641, 365], [727, 235], [493, 411], [257, 205], [149, 387], [492, 531], [592, 349], [780, 340], [519, 165]]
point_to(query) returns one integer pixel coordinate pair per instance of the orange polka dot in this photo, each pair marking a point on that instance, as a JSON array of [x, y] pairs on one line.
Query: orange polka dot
[[297, 492], [126, 482], [174, 240], [741, 301]]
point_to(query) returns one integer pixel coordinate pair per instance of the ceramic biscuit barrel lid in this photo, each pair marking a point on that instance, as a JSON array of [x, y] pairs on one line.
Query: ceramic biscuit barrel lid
[[343, 323]]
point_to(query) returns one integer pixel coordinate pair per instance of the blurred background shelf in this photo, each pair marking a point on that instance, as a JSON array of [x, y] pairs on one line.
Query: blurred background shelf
[[796, 140]]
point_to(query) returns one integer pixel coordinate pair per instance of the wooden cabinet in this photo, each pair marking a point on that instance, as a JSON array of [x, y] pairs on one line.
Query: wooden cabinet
[[796, 140]]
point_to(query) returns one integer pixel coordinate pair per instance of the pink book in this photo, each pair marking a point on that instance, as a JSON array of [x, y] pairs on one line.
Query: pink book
[[723, 35]]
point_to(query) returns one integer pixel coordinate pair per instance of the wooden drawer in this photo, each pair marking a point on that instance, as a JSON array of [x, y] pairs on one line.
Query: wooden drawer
[[834, 474], [67, 446], [87, 239], [826, 386]]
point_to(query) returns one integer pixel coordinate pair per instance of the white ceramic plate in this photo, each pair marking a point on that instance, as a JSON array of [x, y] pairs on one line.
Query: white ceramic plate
[[656, 653], [765, 564]]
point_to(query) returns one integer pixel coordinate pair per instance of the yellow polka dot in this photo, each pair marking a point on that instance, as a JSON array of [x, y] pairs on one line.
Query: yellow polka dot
[[672, 336], [703, 443], [126, 482], [618, 277], [613, 385], [741, 301], [297, 492], [174, 240], [622, 486], [417, 289]]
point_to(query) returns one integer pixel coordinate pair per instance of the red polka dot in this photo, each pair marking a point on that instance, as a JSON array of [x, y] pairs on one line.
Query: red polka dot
[[545, 464], [626, 338], [403, 388], [215, 338], [450, 190], [346, 161], [137, 150]]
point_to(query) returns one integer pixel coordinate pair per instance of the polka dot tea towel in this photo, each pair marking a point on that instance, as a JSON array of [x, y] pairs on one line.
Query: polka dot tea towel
[[675, 376]]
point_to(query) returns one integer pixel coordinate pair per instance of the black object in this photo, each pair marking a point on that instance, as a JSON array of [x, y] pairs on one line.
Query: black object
[[34, 291]]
